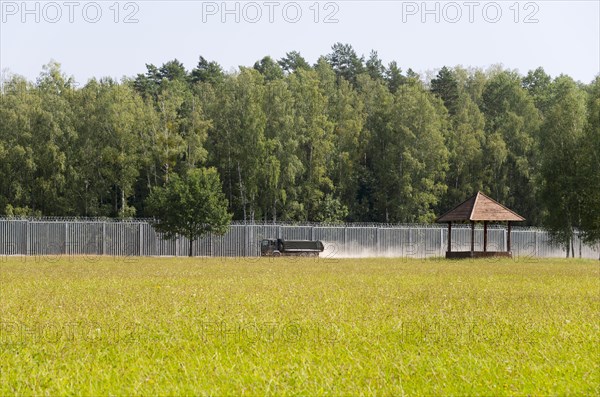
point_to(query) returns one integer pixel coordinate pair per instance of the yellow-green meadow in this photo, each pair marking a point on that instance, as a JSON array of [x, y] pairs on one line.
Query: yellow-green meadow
[[248, 326]]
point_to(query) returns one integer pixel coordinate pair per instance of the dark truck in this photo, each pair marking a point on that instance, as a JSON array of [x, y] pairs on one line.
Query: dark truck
[[280, 247]]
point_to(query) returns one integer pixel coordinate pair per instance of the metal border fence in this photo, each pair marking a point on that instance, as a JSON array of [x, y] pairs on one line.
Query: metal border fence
[[63, 236]]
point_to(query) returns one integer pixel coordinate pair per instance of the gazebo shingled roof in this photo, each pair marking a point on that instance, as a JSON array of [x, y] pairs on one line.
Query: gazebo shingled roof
[[480, 207]]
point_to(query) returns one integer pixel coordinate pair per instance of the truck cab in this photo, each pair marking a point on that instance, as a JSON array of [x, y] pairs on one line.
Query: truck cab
[[271, 247]]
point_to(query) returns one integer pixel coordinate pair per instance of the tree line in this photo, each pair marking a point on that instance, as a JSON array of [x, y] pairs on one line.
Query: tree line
[[345, 139]]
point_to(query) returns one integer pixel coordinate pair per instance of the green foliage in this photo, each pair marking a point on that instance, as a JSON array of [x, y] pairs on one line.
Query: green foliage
[[393, 77], [269, 68], [344, 139], [111, 120], [206, 71], [282, 167], [538, 84], [465, 140], [292, 62], [345, 62], [512, 123], [406, 152], [374, 66], [346, 111], [191, 206], [445, 86], [18, 212], [314, 132], [330, 210], [562, 172], [236, 140], [36, 133], [590, 168]]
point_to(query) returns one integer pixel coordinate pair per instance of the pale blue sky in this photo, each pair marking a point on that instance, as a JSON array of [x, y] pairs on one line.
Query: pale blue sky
[[562, 36]]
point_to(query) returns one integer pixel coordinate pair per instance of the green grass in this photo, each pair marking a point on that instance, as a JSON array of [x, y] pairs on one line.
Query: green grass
[[177, 326]]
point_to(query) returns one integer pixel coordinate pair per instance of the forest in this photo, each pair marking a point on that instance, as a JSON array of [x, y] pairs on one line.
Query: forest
[[347, 139]]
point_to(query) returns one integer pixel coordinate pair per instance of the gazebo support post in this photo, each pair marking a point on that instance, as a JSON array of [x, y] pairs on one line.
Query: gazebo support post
[[472, 237], [485, 236], [508, 238], [449, 236]]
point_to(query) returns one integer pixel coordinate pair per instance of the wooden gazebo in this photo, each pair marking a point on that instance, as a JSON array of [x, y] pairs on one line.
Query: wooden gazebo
[[479, 208]]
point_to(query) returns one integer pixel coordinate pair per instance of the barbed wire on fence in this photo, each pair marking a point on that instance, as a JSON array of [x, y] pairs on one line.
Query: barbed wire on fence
[[63, 219]]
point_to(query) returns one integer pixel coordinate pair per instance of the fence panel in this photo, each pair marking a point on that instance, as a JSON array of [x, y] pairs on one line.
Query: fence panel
[[395, 242], [13, 237], [46, 238], [523, 243], [84, 238], [231, 244], [139, 238], [360, 241], [333, 239], [122, 239], [296, 232]]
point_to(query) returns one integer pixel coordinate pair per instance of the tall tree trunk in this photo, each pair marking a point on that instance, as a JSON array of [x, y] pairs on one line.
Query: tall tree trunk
[[122, 203], [229, 176], [116, 200], [86, 198], [191, 246], [242, 191]]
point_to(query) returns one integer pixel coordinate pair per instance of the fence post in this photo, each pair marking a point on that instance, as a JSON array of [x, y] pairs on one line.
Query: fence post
[[66, 238], [157, 243], [377, 237], [410, 240], [245, 239], [27, 232], [141, 239], [103, 238], [441, 241]]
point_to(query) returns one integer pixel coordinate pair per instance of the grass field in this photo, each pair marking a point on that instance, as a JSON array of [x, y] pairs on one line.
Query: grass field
[[299, 327]]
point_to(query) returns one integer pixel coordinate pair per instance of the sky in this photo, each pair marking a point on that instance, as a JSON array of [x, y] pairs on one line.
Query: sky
[[118, 38]]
